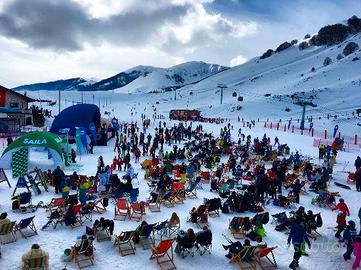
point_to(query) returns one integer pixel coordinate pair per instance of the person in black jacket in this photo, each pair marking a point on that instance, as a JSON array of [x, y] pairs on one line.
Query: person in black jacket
[[204, 237], [58, 176], [296, 190]]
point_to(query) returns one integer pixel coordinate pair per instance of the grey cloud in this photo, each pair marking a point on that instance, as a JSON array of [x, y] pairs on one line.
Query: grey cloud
[[64, 25]]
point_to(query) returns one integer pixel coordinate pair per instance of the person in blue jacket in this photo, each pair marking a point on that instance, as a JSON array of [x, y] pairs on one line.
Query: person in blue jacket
[[297, 235], [349, 236]]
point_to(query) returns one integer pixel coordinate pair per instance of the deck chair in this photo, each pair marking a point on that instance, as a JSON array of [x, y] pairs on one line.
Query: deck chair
[[155, 206], [7, 233], [173, 229], [178, 193], [137, 211], [85, 257], [265, 258], [37, 263], [164, 257], [203, 220], [191, 191], [198, 182], [56, 203], [121, 211], [102, 234], [214, 205], [99, 205], [161, 229], [77, 214], [204, 245], [205, 177], [26, 224], [125, 243], [187, 248], [244, 225], [244, 258], [169, 199], [144, 237], [24, 202]]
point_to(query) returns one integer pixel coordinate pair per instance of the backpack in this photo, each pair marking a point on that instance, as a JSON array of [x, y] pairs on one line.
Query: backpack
[[319, 221]]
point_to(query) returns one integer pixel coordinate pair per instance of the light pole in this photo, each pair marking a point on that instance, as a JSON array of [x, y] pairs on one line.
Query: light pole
[[175, 93]]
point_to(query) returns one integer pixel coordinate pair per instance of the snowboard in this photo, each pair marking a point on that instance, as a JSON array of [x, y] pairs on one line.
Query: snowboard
[[342, 185]]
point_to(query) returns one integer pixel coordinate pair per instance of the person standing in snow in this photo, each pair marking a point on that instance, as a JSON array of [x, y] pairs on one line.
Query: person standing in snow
[[297, 235], [349, 236], [342, 206], [357, 252]]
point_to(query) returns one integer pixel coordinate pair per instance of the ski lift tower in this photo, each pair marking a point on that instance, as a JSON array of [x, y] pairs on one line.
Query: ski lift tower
[[303, 102], [222, 87]]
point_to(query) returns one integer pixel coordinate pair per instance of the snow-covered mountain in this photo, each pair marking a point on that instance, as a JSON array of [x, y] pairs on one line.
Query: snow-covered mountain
[[137, 79], [69, 84], [166, 79], [327, 73]]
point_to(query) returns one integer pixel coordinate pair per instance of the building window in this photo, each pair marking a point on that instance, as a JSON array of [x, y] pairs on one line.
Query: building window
[[14, 105]]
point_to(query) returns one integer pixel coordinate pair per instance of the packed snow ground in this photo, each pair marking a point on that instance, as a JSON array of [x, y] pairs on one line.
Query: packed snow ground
[[324, 254]]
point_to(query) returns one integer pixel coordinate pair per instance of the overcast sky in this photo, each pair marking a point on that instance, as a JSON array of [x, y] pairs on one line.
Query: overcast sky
[[43, 40]]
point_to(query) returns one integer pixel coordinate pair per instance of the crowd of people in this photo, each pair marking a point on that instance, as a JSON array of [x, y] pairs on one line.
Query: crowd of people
[[244, 175]]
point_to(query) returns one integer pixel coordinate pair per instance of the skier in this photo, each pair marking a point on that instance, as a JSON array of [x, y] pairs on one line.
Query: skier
[[349, 236], [297, 235]]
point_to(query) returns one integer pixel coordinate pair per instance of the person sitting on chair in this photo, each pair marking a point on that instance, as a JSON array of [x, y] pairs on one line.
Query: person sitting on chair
[[204, 237], [103, 223], [185, 240], [4, 218], [35, 252], [237, 247], [82, 244]]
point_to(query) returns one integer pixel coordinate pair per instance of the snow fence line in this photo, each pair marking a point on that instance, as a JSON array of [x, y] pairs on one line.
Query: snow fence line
[[351, 144]]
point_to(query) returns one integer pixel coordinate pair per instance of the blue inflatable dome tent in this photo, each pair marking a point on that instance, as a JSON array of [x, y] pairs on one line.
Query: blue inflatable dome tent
[[80, 115]]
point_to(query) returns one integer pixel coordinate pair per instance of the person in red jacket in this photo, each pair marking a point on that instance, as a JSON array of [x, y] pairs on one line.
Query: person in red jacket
[[342, 206], [341, 224]]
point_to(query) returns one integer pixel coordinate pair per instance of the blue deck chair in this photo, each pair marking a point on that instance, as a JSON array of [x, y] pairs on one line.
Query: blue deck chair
[[191, 191], [24, 224]]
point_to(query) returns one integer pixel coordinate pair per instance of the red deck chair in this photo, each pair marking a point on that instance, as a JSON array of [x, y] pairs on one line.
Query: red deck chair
[[77, 214], [179, 192], [269, 261], [56, 203], [205, 176], [121, 211], [137, 211], [164, 257]]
